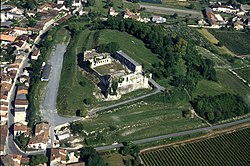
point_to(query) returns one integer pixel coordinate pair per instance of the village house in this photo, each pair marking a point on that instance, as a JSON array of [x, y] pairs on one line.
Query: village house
[[21, 103], [58, 157], [11, 160], [22, 90], [20, 128], [112, 12], [3, 114], [35, 54], [3, 137], [40, 138], [131, 15], [224, 9], [13, 67], [20, 115], [20, 31], [24, 79], [158, 19], [7, 39]]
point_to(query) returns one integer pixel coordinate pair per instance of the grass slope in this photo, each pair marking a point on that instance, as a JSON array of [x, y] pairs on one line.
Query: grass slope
[[134, 47], [238, 42]]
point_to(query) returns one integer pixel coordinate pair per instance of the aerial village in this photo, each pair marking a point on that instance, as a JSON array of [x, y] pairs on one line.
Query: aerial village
[[18, 48], [124, 72]]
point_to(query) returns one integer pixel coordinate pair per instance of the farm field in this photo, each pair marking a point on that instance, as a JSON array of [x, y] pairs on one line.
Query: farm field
[[132, 46], [237, 42], [228, 149], [137, 121], [212, 39], [244, 73]]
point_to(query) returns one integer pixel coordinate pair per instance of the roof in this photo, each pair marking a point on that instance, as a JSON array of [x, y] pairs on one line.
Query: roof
[[3, 108], [20, 127], [20, 29], [5, 87], [7, 38], [22, 87], [4, 132], [4, 103], [46, 71], [58, 153], [21, 109], [21, 102], [21, 96], [41, 127], [35, 53], [25, 160], [10, 159], [128, 58]]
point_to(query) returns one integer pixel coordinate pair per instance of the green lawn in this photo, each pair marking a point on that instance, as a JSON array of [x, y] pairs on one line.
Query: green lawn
[[138, 120], [132, 46], [237, 42], [210, 88], [244, 73]]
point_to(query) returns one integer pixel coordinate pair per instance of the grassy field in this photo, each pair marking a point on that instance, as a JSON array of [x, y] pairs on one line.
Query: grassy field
[[228, 149], [227, 82], [109, 68], [137, 121], [132, 46], [244, 73], [76, 85], [214, 41], [237, 42]]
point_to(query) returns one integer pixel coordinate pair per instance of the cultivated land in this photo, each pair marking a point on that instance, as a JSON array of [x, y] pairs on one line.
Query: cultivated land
[[228, 149], [237, 42], [138, 120], [214, 41]]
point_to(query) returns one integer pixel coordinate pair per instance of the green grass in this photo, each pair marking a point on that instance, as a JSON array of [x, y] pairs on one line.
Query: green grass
[[237, 42], [139, 120], [210, 88], [228, 149], [244, 73], [233, 84], [106, 69], [132, 46], [115, 159]]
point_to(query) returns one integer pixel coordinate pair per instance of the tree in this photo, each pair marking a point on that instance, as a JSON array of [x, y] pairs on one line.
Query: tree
[[38, 159], [68, 3], [83, 112]]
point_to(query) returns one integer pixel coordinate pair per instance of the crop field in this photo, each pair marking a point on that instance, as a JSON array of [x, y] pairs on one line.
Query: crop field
[[244, 73], [137, 121], [237, 42], [228, 149], [132, 46]]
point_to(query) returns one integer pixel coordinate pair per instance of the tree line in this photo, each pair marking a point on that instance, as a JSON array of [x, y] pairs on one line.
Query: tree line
[[179, 58], [220, 107]]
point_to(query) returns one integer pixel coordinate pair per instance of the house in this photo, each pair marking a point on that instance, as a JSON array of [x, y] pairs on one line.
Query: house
[[12, 74], [58, 157], [35, 54], [5, 88], [20, 115], [13, 67], [20, 128], [21, 103], [238, 25], [127, 61], [11, 160], [211, 18], [225, 9], [6, 39], [45, 7], [3, 114], [24, 79], [25, 161], [158, 19], [46, 73], [60, 2], [3, 137], [131, 15], [76, 3], [112, 12], [22, 90], [6, 79], [73, 157], [20, 31], [40, 138], [96, 59]]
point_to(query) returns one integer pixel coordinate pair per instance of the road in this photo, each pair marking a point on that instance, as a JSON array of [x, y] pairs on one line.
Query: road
[[170, 11], [48, 108], [146, 140], [151, 81]]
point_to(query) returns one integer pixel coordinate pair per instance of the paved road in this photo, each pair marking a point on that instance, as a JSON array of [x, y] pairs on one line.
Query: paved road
[[177, 134], [167, 10], [48, 108]]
